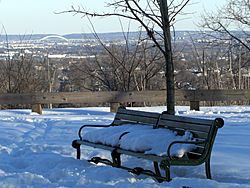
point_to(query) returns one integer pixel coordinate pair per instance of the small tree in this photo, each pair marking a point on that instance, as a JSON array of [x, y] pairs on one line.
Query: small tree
[[153, 15]]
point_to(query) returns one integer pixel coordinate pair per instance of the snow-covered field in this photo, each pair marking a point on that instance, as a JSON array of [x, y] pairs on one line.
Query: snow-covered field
[[35, 151]]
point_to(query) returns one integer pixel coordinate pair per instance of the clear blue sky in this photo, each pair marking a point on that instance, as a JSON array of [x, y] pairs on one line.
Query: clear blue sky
[[38, 16]]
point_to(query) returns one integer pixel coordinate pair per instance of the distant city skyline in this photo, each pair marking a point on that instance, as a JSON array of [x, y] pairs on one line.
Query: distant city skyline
[[38, 17]]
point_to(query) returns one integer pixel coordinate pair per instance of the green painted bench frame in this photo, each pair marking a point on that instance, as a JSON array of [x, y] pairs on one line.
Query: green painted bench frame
[[203, 130]]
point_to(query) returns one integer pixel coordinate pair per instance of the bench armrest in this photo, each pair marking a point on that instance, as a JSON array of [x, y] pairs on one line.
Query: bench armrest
[[183, 142], [80, 129]]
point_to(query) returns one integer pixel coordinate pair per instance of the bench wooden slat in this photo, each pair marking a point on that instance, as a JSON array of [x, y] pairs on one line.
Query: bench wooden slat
[[187, 119], [198, 152], [186, 126], [136, 118], [127, 152], [138, 113], [201, 136], [124, 115], [194, 155], [122, 151], [199, 149], [121, 122]]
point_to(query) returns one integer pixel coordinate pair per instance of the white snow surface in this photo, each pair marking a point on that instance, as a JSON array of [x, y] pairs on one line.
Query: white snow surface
[[35, 151], [140, 138]]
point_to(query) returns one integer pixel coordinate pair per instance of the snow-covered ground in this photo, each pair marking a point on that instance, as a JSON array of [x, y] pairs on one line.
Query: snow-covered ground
[[35, 151]]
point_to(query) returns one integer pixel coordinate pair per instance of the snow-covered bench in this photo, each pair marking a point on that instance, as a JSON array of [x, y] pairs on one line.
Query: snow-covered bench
[[166, 140]]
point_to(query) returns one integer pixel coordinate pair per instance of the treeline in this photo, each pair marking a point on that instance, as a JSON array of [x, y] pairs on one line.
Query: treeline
[[135, 65]]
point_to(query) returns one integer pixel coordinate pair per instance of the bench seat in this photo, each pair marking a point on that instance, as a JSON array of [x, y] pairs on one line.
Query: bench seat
[[140, 138]]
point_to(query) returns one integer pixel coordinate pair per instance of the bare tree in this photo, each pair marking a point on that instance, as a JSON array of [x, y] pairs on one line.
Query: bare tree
[[132, 66], [22, 74], [19, 71], [234, 16], [153, 15], [230, 25]]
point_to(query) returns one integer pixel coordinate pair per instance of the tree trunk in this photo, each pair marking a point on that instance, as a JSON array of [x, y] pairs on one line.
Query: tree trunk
[[168, 57]]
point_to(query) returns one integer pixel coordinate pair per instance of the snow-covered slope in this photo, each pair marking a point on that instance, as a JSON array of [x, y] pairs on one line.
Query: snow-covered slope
[[35, 151]]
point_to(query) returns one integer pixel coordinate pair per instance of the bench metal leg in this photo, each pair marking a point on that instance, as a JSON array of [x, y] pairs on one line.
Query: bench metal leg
[[116, 157], [159, 178], [165, 165], [167, 171], [77, 146], [208, 169], [157, 170]]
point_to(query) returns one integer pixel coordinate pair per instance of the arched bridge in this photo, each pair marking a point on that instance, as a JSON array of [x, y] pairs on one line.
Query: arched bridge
[[54, 36]]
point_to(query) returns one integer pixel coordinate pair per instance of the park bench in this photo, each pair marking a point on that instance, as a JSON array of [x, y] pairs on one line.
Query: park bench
[[203, 135]]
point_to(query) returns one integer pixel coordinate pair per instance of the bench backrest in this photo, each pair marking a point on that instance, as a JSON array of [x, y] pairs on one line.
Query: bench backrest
[[202, 129], [124, 115]]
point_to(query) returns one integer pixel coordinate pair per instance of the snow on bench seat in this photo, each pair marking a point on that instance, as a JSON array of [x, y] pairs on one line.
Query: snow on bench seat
[[110, 135], [140, 138]]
